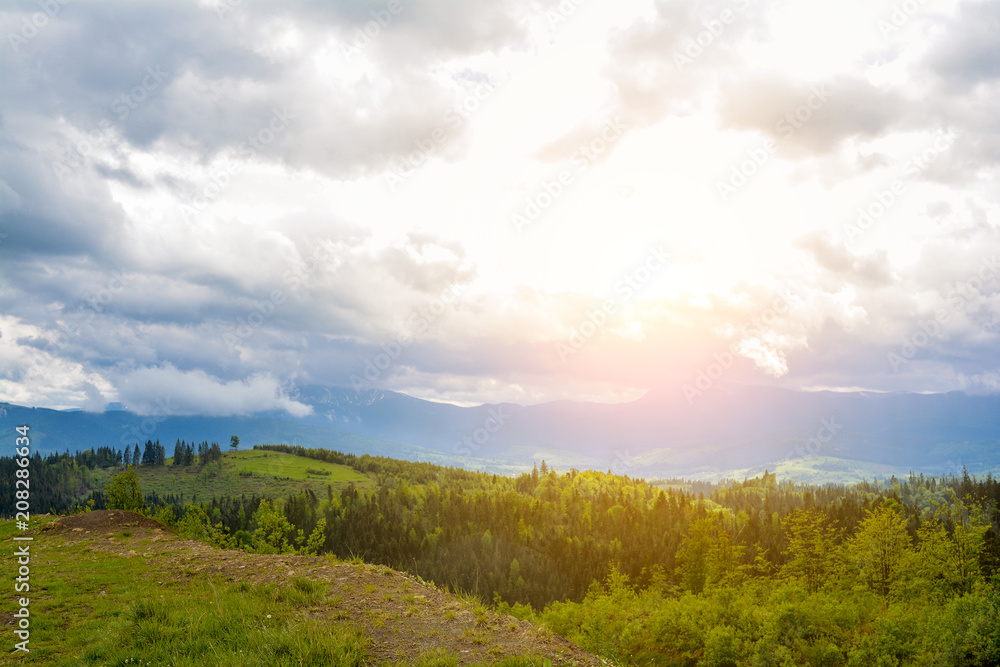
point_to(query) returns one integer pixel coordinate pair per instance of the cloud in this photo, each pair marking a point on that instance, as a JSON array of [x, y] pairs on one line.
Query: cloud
[[45, 217], [967, 53], [983, 384], [661, 68], [871, 271], [813, 117], [160, 389], [35, 370], [201, 85], [232, 169]]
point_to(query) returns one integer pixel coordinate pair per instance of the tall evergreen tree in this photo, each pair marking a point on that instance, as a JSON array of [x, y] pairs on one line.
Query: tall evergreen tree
[[149, 454]]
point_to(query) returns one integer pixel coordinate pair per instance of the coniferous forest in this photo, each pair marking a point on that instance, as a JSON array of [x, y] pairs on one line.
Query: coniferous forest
[[753, 572]]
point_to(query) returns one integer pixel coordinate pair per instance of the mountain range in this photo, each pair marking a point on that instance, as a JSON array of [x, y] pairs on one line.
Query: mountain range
[[730, 431]]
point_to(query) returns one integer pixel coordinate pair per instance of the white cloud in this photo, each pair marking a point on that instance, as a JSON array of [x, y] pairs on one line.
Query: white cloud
[[227, 224], [35, 370], [167, 390]]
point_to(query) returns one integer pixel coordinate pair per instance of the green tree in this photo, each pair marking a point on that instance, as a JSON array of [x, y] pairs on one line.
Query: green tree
[[165, 515], [197, 525], [316, 539], [234, 442], [272, 530], [947, 561], [123, 492], [811, 547], [708, 556], [721, 647], [880, 547]]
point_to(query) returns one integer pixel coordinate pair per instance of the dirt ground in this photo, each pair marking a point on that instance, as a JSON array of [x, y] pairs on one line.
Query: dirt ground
[[401, 616]]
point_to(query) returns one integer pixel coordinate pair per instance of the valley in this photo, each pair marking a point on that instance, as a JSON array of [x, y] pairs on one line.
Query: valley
[[669, 572]]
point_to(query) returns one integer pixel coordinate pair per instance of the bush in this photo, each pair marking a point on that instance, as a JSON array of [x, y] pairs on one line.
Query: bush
[[721, 648], [123, 492], [165, 515]]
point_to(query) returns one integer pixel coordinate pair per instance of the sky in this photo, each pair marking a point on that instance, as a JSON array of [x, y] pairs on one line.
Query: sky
[[220, 202]]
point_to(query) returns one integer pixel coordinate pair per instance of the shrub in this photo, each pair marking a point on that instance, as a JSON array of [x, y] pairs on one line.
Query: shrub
[[123, 492]]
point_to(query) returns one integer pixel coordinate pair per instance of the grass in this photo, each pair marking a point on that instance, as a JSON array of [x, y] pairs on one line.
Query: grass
[[279, 464], [90, 608], [229, 624], [95, 607], [247, 472]]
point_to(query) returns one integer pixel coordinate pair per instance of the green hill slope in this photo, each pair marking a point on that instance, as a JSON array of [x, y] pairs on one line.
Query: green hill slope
[[247, 472], [116, 588]]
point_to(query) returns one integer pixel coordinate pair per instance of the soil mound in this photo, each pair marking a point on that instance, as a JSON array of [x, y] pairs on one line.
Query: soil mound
[[103, 521]]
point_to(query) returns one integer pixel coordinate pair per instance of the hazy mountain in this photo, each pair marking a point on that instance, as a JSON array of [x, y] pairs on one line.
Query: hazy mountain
[[728, 430], [58, 430], [730, 427]]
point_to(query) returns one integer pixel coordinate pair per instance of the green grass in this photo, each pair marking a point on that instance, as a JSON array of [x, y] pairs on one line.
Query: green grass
[[263, 473], [91, 608], [280, 464], [95, 608]]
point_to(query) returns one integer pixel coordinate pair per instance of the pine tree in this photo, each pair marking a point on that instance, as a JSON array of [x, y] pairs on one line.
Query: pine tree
[[148, 454]]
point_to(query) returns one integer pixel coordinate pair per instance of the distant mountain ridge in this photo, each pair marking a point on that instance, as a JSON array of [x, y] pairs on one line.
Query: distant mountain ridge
[[728, 429]]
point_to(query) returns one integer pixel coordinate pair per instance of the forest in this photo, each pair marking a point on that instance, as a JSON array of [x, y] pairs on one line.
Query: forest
[[752, 572]]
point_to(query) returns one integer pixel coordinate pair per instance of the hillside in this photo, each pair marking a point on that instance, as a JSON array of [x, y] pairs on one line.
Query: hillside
[[755, 572], [112, 587], [248, 472]]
